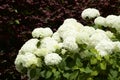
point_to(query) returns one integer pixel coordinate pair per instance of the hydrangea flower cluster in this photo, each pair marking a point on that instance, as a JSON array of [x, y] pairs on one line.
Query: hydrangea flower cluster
[[49, 48]]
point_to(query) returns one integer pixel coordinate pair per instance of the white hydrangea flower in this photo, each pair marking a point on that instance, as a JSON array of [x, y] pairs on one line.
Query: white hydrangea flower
[[18, 63], [69, 33], [29, 46], [69, 24], [83, 37], [42, 32], [100, 21], [87, 29], [29, 59], [56, 36], [41, 52], [26, 60], [52, 59], [49, 43], [116, 24], [90, 13], [110, 19], [105, 47], [98, 36], [70, 44]]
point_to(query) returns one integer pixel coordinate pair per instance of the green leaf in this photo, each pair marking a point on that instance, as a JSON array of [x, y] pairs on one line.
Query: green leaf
[[43, 73], [66, 75], [73, 76], [78, 62], [93, 60], [48, 74], [88, 70], [103, 66], [107, 57], [113, 75], [94, 73], [33, 74], [85, 70]]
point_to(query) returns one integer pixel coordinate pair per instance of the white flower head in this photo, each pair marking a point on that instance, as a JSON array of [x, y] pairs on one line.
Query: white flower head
[[87, 29], [83, 38], [98, 36], [29, 46], [42, 32], [26, 60], [100, 21], [52, 59], [90, 13], [30, 59], [110, 20], [105, 47], [70, 44], [18, 63], [49, 43], [116, 24], [69, 24], [69, 33]]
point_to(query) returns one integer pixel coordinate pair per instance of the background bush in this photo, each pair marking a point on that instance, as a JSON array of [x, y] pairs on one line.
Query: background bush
[[19, 17]]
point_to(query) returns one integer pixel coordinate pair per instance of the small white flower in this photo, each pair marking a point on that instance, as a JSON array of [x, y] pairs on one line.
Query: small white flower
[[52, 59], [100, 21], [29, 59], [105, 47], [49, 43], [70, 44], [29, 46], [90, 13], [42, 32], [110, 20]]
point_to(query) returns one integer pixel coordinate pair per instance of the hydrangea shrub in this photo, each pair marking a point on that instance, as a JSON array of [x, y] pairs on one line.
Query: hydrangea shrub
[[75, 51]]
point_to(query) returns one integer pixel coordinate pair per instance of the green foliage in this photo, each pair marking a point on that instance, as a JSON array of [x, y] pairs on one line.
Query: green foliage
[[75, 67]]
